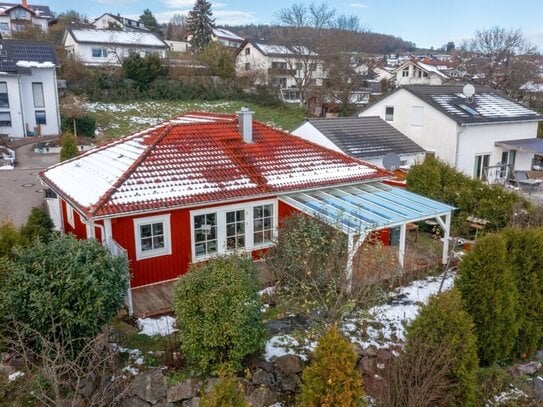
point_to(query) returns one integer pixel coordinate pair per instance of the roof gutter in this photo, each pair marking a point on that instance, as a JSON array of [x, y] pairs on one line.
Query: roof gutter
[[226, 201], [502, 122]]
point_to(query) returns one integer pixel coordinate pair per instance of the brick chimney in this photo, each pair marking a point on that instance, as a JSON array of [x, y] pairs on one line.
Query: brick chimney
[[25, 3], [245, 123]]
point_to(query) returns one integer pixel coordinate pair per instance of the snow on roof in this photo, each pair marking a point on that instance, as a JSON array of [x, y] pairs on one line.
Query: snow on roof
[[31, 64], [486, 106], [136, 38], [189, 160], [222, 33], [532, 86], [431, 68], [269, 49]]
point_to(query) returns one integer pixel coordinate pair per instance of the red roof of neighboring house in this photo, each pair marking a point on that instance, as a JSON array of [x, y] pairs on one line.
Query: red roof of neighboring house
[[183, 162]]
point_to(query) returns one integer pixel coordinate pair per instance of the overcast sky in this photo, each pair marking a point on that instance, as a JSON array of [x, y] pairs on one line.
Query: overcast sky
[[425, 22]]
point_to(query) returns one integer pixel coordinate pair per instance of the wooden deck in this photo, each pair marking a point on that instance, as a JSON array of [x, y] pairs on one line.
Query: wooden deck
[[152, 299]]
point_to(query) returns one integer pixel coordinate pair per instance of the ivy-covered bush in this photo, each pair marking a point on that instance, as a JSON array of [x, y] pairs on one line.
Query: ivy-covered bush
[[443, 324], [525, 255], [437, 180], [332, 379], [38, 225], [69, 146], [219, 311], [9, 238], [490, 296], [61, 288]]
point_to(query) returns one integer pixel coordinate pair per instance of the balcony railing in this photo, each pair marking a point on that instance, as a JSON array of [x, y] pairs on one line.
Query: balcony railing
[[281, 71]]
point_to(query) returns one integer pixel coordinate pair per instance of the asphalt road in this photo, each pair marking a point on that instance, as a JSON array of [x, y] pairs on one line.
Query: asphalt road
[[20, 189]]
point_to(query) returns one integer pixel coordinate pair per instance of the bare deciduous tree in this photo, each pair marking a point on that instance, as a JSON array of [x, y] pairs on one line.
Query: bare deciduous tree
[[90, 375], [73, 106], [502, 58], [307, 28]]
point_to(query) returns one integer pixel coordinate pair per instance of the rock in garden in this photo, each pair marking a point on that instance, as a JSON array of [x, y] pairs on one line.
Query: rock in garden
[[538, 388], [288, 364], [193, 402], [262, 397], [135, 402], [163, 405], [529, 368], [150, 386], [539, 355], [184, 390], [260, 376], [211, 383], [290, 382]]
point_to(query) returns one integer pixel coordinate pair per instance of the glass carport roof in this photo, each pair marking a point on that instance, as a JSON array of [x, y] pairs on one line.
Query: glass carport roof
[[365, 207]]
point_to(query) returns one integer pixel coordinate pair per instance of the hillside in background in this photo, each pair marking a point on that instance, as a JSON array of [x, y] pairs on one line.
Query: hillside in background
[[373, 43]]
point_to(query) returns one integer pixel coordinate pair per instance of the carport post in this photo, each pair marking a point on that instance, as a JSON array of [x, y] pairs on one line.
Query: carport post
[[446, 238], [401, 249]]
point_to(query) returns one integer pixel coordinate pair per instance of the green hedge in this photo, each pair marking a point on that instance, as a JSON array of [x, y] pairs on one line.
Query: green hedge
[[86, 125]]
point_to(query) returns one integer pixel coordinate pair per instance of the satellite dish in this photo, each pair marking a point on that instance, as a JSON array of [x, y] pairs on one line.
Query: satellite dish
[[391, 161], [468, 90]]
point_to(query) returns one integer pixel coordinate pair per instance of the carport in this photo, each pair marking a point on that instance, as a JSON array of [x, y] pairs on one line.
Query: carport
[[360, 209]]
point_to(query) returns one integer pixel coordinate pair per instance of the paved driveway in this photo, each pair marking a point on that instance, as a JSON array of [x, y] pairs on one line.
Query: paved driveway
[[20, 189]]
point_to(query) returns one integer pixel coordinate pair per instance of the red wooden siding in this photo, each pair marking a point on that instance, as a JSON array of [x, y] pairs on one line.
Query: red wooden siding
[[79, 229], [284, 211]]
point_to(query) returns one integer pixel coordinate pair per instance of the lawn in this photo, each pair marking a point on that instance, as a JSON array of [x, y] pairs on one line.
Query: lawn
[[114, 120]]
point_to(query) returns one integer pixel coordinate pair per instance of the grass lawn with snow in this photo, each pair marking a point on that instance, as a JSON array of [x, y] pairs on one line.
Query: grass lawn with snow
[[114, 120]]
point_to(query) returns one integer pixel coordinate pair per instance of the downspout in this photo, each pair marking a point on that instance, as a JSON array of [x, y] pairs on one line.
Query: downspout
[[21, 105], [458, 134], [57, 108]]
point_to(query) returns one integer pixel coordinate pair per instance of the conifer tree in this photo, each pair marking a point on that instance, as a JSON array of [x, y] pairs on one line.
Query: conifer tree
[[525, 254], [69, 146], [200, 25], [490, 296], [332, 379], [227, 393], [443, 324]]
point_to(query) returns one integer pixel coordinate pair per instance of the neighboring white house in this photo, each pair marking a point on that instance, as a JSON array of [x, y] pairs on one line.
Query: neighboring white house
[[279, 65], [223, 37], [178, 46], [473, 134], [28, 89], [108, 21], [19, 17], [109, 47], [367, 138], [419, 73]]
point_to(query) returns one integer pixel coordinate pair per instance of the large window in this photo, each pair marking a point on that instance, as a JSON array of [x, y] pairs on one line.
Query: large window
[[235, 230], [37, 92], [152, 236], [99, 52], [481, 166], [205, 234], [4, 99], [5, 119], [4, 26], [389, 113], [230, 228], [262, 224]]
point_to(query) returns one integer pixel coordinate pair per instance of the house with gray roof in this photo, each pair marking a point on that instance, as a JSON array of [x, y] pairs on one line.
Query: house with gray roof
[[475, 129], [367, 138], [28, 89]]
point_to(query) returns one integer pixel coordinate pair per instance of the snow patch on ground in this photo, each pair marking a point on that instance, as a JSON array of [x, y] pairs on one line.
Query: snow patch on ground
[[506, 396], [384, 324], [269, 291], [162, 326], [281, 345], [15, 375]]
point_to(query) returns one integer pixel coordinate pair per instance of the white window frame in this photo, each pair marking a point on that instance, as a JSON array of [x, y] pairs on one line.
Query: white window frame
[[70, 215], [479, 173], [221, 228], [164, 251], [37, 94]]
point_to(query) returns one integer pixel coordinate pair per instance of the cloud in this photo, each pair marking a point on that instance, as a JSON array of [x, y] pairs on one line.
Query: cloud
[[358, 5], [187, 4], [222, 17], [117, 2]]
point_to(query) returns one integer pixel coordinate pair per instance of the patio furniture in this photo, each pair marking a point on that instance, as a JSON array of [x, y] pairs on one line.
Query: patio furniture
[[523, 179]]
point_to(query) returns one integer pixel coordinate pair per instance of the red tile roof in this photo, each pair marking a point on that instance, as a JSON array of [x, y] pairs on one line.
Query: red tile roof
[[179, 163]]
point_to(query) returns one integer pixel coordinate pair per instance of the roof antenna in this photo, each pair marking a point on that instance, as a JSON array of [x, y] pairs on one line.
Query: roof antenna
[[469, 91]]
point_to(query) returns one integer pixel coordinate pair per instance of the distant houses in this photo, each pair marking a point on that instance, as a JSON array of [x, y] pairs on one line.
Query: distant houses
[[108, 47], [108, 21], [28, 89], [19, 17]]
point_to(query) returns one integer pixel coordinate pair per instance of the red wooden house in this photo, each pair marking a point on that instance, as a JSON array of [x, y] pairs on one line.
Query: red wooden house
[[201, 185]]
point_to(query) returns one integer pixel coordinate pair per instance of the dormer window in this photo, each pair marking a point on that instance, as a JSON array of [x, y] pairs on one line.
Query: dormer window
[[405, 72]]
